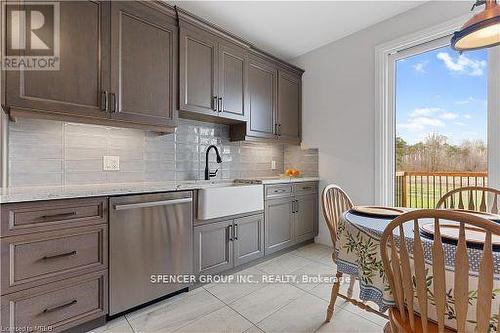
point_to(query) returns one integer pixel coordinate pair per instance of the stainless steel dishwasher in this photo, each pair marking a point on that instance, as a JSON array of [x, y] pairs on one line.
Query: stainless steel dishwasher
[[149, 234]]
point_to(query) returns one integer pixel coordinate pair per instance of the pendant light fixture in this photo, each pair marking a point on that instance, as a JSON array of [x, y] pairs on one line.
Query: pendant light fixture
[[481, 31]]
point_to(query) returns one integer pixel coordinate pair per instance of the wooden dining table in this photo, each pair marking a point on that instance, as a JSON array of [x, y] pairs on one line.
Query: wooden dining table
[[358, 254]]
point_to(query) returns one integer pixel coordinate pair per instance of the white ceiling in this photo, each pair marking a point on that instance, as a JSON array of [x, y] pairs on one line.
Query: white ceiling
[[288, 29]]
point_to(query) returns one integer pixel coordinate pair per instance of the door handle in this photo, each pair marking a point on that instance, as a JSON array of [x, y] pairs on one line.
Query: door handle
[[296, 206], [230, 232], [62, 255], [53, 216], [104, 101], [113, 103], [214, 103], [279, 129], [235, 235], [220, 105], [276, 129], [153, 204], [58, 307]]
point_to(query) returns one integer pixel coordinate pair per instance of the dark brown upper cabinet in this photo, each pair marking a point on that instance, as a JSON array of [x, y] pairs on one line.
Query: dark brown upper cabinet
[[212, 73], [289, 106], [118, 67], [273, 102], [262, 91], [76, 88], [198, 71], [143, 65], [232, 81]]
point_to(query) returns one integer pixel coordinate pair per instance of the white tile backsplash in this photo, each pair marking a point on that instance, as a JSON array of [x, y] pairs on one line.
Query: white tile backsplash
[[43, 152]]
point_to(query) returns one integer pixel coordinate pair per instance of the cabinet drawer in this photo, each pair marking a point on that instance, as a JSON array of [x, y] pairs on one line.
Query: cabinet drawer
[[28, 217], [305, 188], [274, 191], [30, 260], [57, 306]]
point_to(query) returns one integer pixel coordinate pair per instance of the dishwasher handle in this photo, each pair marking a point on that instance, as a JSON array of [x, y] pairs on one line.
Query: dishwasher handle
[[153, 203]]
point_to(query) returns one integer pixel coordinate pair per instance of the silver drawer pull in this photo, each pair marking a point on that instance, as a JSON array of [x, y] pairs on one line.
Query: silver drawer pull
[[62, 255], [58, 215], [153, 204], [307, 188], [58, 307]]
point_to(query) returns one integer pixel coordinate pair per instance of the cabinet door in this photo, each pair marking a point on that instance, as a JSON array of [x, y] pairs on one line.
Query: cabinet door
[[279, 233], [213, 247], [289, 100], [143, 64], [248, 239], [306, 216], [198, 71], [75, 88], [261, 101], [232, 81]]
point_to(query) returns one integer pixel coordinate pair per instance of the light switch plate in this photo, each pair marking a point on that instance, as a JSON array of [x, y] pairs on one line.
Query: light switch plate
[[111, 163], [273, 165]]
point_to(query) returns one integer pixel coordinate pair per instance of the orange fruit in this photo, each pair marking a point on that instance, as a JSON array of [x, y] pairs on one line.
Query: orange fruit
[[296, 173]]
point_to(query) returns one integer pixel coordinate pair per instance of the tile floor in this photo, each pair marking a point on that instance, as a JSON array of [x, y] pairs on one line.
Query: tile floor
[[262, 307]]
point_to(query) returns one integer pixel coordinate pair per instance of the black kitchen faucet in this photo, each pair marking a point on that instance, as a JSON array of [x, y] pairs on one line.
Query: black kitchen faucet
[[209, 174]]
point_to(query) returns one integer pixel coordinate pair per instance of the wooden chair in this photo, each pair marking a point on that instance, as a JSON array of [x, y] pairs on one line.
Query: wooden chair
[[335, 202], [477, 198], [397, 268]]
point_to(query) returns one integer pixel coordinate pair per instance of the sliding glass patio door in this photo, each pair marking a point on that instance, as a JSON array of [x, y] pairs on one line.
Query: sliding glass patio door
[[446, 121]]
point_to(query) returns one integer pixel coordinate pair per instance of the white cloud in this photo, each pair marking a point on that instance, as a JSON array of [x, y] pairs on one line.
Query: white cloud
[[467, 116], [417, 124], [471, 100], [459, 123], [420, 67], [424, 112], [448, 115], [462, 64]]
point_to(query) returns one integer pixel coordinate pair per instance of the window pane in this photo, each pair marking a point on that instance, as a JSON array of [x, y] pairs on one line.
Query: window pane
[[441, 124]]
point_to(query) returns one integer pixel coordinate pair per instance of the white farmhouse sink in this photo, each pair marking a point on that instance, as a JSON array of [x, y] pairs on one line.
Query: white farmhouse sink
[[220, 201]]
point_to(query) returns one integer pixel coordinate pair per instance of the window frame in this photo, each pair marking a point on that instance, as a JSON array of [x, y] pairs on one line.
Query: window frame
[[386, 56]]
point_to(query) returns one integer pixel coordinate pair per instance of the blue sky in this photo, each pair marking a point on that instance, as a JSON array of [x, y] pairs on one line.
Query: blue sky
[[442, 92]]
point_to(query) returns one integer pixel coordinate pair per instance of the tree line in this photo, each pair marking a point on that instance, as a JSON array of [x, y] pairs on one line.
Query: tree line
[[435, 154]]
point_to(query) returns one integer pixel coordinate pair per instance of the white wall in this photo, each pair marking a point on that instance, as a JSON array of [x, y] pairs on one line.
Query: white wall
[[338, 99]]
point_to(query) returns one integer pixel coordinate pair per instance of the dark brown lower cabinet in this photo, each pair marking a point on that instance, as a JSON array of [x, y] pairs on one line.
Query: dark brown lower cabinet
[[54, 264], [279, 224], [213, 247], [249, 239], [56, 306], [306, 216], [220, 246], [291, 215]]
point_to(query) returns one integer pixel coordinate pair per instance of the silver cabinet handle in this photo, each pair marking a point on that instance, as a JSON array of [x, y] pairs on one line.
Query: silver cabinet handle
[[113, 103], [220, 105], [54, 216], [58, 307], [62, 255], [230, 231], [214, 102], [235, 232], [104, 101], [153, 204]]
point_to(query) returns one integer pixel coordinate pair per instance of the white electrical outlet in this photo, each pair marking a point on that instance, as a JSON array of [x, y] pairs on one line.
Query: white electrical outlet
[[273, 165], [111, 163]]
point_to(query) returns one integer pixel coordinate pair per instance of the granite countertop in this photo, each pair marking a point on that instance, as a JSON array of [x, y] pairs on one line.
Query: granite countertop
[[277, 180], [37, 193]]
